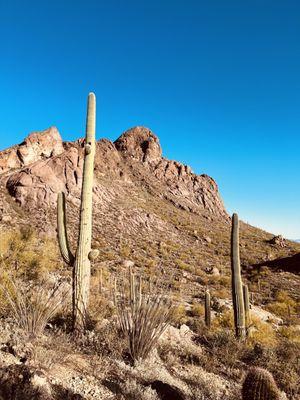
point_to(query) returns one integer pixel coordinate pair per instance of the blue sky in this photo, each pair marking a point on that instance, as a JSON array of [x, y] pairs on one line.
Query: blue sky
[[217, 81]]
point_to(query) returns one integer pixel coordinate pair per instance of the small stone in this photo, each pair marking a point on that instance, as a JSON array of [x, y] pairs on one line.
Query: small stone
[[128, 263], [6, 218], [212, 271], [207, 239]]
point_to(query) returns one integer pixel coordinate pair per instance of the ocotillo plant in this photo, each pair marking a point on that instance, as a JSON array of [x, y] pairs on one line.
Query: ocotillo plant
[[81, 262], [237, 287], [247, 306], [259, 384], [207, 309]]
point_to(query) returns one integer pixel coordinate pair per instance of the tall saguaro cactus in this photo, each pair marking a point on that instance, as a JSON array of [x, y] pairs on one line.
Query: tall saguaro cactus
[[81, 262], [237, 286]]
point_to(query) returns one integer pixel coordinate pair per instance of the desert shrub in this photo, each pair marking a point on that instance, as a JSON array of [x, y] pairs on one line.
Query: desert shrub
[[179, 315], [184, 266], [262, 332], [197, 310], [287, 368], [225, 281], [100, 308], [42, 352], [283, 297], [221, 293], [283, 305], [198, 326], [32, 307], [133, 390], [26, 255], [291, 333], [142, 317], [222, 352], [223, 320], [106, 340]]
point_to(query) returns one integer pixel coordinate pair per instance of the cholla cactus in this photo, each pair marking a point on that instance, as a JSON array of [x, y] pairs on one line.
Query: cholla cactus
[[237, 287], [259, 384], [81, 261]]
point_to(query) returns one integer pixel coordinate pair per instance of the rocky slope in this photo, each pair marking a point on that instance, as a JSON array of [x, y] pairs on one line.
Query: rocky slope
[[146, 208], [40, 167], [168, 223]]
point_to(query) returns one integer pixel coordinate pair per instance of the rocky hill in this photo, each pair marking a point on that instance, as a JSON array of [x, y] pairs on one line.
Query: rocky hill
[[169, 224], [152, 210], [40, 167]]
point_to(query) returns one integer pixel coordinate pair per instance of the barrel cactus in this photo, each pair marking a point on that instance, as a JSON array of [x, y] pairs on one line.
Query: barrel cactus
[[259, 384]]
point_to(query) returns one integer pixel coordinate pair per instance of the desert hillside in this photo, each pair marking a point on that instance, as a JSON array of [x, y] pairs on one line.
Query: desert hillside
[[168, 225]]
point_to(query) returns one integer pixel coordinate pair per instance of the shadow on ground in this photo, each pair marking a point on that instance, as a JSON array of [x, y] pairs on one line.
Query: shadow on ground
[[287, 264]]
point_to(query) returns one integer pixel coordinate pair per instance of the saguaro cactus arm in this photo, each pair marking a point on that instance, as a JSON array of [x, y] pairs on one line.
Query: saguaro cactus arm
[[237, 288], [62, 230]]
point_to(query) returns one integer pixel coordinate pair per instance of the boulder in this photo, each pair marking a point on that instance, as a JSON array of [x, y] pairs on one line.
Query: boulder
[[37, 146], [139, 143], [278, 241]]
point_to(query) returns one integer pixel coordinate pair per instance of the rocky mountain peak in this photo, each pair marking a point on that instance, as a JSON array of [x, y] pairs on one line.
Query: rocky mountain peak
[[34, 172], [139, 143], [36, 146]]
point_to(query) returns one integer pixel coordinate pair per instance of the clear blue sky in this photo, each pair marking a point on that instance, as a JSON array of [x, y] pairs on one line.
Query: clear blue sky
[[217, 81]]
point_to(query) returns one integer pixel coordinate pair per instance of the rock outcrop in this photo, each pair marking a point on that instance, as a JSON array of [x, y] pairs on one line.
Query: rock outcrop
[[140, 144], [40, 167], [37, 146], [278, 241]]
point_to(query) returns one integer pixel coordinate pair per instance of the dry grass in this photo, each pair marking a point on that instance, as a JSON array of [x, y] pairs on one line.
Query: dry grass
[[32, 307], [284, 306], [26, 256]]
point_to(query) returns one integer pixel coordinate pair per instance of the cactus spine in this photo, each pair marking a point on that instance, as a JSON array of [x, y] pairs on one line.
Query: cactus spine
[[81, 262], [259, 384], [207, 309], [237, 288]]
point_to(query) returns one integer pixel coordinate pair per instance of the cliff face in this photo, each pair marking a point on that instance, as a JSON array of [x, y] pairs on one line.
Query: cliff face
[[36, 170]]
